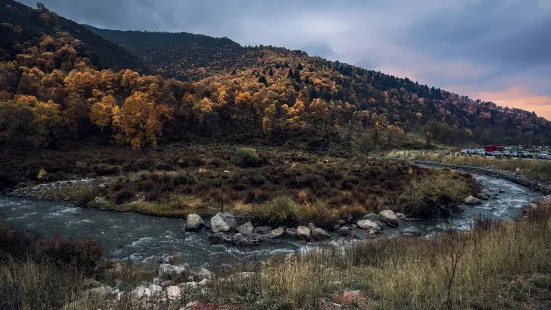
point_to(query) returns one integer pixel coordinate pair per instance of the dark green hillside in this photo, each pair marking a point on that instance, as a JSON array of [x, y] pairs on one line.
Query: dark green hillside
[[21, 24]]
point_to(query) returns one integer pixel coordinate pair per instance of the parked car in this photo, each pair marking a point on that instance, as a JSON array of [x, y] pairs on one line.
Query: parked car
[[526, 155], [544, 155], [499, 154]]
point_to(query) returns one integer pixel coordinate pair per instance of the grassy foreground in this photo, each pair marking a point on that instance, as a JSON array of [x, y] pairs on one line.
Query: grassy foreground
[[537, 169], [493, 266]]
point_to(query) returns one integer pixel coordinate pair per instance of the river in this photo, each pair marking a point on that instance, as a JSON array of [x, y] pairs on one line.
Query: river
[[153, 239]]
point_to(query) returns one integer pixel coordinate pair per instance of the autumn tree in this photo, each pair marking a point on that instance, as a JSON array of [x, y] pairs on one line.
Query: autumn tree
[[269, 119], [101, 113], [140, 121]]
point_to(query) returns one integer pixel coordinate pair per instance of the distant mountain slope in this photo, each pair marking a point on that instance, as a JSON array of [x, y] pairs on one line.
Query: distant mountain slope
[[441, 115], [181, 55], [32, 23]]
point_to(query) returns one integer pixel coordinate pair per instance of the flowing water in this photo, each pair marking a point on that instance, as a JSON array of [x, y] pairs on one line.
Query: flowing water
[[152, 239]]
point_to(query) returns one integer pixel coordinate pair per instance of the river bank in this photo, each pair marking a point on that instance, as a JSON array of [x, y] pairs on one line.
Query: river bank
[[497, 266]]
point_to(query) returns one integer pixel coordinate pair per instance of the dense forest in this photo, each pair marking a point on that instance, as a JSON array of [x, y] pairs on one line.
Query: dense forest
[[59, 81]]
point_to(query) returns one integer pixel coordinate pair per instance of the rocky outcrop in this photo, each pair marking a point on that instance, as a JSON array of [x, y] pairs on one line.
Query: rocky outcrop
[[246, 229], [193, 222], [303, 233], [389, 217]]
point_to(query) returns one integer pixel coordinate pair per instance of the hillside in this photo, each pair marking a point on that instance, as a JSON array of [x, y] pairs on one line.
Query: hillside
[[184, 56], [20, 24], [55, 76], [409, 105]]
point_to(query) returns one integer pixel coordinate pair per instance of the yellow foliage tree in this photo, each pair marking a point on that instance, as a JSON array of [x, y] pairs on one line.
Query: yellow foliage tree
[[101, 113], [139, 121], [269, 119]]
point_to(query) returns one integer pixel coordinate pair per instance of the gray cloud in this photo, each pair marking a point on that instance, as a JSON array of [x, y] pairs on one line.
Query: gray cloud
[[471, 47]]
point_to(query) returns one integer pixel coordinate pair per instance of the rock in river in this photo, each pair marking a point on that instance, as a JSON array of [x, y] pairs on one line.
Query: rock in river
[[372, 217], [389, 217], [368, 225], [291, 232], [319, 234], [472, 200], [278, 232], [220, 223], [193, 222], [303, 232], [246, 229]]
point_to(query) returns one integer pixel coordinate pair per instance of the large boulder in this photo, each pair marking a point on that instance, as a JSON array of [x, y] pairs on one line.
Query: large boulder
[[278, 232], [231, 220], [303, 232], [389, 217], [220, 223], [319, 234], [372, 217], [246, 229], [312, 226], [472, 201], [193, 222], [368, 225], [167, 270]]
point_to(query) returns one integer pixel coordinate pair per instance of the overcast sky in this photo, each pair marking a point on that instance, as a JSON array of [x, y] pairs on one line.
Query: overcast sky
[[494, 50]]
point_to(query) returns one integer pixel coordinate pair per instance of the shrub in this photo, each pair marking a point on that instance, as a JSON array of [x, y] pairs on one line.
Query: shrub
[[81, 254], [246, 157], [124, 196], [424, 197], [280, 211]]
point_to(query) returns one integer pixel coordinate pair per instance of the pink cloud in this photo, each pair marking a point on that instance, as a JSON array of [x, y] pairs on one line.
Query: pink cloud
[[521, 97]]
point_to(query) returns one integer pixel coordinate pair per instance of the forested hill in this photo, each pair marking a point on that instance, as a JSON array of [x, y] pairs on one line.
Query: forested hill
[[442, 115], [60, 82], [181, 55], [20, 24]]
